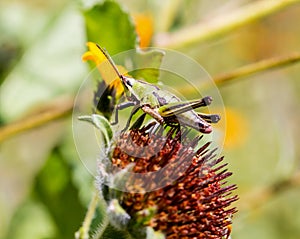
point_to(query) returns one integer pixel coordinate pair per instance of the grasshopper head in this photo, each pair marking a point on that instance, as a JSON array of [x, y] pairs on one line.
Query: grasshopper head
[[128, 82], [128, 85]]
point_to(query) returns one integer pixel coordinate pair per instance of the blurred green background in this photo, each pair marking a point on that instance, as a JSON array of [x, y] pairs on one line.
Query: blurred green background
[[45, 189]]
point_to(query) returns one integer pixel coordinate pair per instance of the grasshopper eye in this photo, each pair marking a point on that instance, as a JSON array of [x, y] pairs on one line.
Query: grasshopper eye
[[128, 81]]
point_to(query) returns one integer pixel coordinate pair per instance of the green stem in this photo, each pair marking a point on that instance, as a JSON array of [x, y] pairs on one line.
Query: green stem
[[101, 229], [237, 74], [83, 232], [221, 25]]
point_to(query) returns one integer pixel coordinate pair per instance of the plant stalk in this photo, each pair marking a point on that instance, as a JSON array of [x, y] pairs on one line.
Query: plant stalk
[[53, 111], [222, 24]]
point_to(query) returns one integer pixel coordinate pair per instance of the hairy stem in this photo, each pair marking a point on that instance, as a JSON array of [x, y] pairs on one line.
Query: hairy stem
[[83, 232], [221, 25]]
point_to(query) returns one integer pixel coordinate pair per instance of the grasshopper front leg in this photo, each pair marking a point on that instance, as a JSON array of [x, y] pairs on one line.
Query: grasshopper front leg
[[135, 109], [122, 106]]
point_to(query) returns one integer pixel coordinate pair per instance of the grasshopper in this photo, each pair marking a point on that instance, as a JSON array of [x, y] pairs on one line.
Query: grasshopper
[[163, 106]]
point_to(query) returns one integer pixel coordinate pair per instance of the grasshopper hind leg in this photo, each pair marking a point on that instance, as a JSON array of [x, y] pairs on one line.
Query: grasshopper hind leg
[[154, 114], [210, 118]]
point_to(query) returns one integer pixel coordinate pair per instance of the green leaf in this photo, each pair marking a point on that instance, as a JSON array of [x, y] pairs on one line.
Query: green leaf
[[111, 27], [148, 64], [54, 188], [101, 123]]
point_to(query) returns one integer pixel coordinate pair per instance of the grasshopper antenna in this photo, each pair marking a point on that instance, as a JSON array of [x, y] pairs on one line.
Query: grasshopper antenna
[[110, 61]]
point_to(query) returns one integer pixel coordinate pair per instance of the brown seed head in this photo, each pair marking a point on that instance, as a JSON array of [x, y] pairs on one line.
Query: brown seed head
[[197, 202]]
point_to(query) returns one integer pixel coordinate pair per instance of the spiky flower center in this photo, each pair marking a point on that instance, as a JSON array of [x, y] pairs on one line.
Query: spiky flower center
[[196, 204]]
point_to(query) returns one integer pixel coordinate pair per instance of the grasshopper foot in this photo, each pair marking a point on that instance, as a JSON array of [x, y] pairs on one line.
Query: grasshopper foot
[[207, 100], [215, 118]]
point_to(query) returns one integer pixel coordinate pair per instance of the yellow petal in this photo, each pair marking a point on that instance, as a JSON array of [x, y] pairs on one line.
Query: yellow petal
[[106, 70], [88, 56], [117, 84], [94, 54]]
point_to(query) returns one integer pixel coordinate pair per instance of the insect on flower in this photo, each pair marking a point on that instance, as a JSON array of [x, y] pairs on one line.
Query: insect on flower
[[161, 105]]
